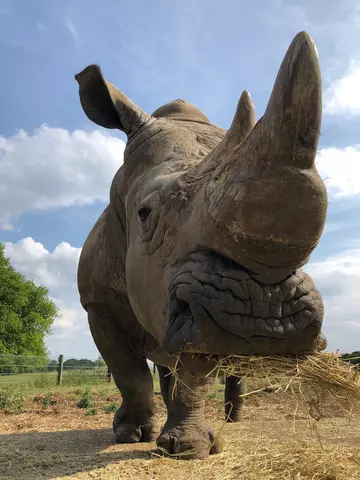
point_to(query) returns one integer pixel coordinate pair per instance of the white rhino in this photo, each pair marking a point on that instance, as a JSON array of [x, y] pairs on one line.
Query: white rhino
[[201, 246]]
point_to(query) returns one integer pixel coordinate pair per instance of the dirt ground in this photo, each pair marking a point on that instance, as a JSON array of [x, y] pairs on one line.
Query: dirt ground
[[273, 441]]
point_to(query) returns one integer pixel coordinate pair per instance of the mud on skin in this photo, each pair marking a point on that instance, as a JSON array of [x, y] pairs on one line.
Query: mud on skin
[[201, 246]]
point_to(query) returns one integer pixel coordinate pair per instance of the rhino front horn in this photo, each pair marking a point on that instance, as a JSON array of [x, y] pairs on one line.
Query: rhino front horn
[[265, 191], [290, 127]]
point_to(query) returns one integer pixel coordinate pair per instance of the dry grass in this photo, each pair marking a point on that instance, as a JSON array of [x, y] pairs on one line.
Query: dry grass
[[273, 441], [310, 378]]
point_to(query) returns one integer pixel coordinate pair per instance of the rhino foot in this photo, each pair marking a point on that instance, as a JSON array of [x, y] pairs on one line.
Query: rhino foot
[[130, 433], [189, 443], [134, 428]]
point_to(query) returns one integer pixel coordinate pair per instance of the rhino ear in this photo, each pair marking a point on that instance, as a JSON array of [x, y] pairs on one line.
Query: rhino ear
[[107, 106]]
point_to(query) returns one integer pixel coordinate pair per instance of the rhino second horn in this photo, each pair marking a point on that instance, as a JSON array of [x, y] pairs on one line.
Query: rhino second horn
[[243, 122]]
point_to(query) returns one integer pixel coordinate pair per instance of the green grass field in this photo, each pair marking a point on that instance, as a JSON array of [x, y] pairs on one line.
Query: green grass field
[[33, 383], [26, 378]]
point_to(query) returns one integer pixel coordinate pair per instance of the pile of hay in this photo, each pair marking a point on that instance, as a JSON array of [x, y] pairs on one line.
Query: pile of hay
[[311, 377], [268, 459]]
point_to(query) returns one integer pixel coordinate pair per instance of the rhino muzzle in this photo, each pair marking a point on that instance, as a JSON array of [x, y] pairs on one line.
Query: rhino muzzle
[[217, 307]]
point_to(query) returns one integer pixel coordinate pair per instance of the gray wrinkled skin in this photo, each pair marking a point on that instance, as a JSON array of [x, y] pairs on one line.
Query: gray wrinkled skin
[[201, 247]]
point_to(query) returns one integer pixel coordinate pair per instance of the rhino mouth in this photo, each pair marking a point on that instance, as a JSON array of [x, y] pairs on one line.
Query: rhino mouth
[[217, 307]]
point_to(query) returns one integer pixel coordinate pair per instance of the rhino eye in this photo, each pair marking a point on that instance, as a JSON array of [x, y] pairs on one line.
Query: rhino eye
[[144, 213]]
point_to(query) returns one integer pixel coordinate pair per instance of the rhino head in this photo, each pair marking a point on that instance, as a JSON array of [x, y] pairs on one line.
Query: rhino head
[[219, 223]]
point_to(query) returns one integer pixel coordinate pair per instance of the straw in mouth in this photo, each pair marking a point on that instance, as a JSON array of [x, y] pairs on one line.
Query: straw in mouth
[[309, 376]]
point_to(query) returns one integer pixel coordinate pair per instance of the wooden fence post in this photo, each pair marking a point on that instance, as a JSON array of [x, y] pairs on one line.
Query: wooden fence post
[[108, 375], [60, 369]]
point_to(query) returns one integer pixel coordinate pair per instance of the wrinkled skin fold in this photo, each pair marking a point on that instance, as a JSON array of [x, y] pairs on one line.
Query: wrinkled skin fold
[[201, 247], [217, 307]]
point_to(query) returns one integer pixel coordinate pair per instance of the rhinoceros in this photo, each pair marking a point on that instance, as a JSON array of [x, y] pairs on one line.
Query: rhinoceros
[[199, 253]]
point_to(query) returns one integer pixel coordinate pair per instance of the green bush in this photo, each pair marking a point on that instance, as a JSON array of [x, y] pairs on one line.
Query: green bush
[[91, 411], [11, 400], [47, 400], [86, 400], [110, 407]]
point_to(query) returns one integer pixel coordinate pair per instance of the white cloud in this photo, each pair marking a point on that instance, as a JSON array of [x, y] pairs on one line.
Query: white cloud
[[71, 27], [343, 95], [55, 168], [7, 227], [340, 169], [338, 280], [57, 271], [333, 227]]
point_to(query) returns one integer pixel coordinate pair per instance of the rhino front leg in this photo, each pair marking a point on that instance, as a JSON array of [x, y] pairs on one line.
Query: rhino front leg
[[186, 433], [135, 419]]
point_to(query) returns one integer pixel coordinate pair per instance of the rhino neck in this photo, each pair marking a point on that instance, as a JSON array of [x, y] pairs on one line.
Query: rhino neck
[[169, 145]]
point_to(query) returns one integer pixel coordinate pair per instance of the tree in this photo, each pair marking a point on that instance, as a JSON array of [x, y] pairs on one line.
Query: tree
[[353, 357], [82, 363], [100, 362], [26, 312]]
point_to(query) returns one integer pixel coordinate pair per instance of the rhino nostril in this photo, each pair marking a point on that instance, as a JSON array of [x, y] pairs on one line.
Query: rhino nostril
[[189, 315]]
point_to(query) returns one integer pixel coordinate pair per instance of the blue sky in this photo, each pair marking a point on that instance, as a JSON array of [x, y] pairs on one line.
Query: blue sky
[[56, 167]]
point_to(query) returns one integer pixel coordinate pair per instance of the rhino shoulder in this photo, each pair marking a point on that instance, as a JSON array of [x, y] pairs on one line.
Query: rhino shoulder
[[101, 270]]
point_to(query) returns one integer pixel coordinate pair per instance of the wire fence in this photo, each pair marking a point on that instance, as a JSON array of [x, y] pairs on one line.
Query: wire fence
[[16, 364], [43, 371]]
